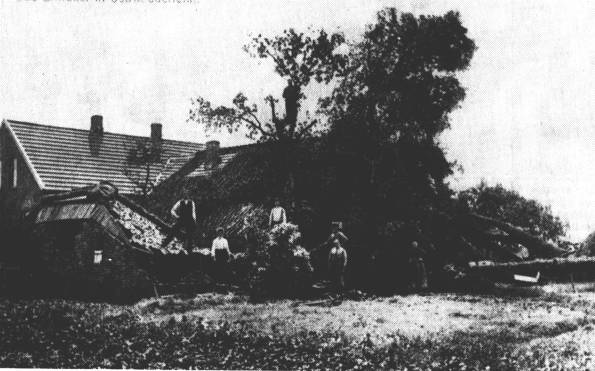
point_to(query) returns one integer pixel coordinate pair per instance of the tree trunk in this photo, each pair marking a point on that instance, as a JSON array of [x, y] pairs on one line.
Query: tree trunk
[[533, 243], [537, 264]]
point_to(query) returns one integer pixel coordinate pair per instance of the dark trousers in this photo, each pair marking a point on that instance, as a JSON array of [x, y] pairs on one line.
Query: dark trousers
[[419, 279], [222, 272], [188, 228], [337, 278]]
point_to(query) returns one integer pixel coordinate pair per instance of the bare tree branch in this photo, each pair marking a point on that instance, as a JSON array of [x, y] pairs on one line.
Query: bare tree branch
[[306, 129]]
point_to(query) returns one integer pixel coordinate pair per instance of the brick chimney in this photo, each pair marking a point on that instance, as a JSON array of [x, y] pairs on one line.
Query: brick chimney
[[212, 159], [96, 124], [156, 132], [95, 135], [157, 139]]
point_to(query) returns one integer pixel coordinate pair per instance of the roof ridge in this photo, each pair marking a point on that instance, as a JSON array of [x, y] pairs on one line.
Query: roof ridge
[[241, 146], [105, 132]]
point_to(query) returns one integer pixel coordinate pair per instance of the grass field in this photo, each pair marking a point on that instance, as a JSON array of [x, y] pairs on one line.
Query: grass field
[[549, 328]]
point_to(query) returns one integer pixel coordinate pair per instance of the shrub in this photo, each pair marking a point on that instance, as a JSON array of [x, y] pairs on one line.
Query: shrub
[[282, 266]]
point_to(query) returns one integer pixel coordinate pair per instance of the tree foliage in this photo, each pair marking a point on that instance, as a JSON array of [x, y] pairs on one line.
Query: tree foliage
[[508, 205], [141, 165], [297, 57], [401, 80], [396, 92], [282, 266], [380, 168]]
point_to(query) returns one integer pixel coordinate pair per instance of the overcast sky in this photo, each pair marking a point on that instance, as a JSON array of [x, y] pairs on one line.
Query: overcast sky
[[527, 122]]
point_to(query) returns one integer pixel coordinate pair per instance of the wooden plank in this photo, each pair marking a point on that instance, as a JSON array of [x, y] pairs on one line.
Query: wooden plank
[[527, 279]]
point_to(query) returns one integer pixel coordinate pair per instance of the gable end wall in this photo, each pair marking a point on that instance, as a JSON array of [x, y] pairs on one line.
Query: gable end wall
[[15, 201]]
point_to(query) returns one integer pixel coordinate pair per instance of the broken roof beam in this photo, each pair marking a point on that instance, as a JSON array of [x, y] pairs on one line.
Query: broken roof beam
[[61, 196], [144, 212]]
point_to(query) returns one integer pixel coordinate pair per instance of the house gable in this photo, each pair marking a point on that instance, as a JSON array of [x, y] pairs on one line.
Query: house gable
[[20, 195]]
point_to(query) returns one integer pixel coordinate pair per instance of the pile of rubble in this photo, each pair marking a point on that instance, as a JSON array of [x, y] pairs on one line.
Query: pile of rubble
[[237, 219], [145, 233]]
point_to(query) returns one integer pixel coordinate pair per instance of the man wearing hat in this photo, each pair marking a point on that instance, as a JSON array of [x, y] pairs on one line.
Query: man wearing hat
[[336, 234]]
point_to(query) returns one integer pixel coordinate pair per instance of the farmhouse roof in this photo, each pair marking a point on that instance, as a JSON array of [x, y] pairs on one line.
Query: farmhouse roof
[[208, 182], [62, 159], [199, 165]]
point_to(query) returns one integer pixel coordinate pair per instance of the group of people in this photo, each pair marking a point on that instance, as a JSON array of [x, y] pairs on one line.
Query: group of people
[[337, 256], [184, 212]]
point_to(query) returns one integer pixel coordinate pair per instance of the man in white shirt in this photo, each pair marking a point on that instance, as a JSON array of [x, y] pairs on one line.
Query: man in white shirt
[[221, 254], [278, 215]]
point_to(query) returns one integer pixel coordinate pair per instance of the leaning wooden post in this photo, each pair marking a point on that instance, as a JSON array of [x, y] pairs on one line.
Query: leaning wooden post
[[572, 282], [155, 289]]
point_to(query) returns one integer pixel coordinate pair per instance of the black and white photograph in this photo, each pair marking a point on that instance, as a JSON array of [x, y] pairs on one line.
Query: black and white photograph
[[297, 185]]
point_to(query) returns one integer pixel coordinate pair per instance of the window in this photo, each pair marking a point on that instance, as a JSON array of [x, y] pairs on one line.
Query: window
[[14, 172], [98, 257]]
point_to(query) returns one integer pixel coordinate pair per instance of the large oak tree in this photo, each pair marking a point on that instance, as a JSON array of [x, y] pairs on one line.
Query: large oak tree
[[396, 93]]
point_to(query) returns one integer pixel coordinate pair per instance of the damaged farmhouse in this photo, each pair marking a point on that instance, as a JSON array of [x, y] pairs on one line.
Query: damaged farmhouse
[[71, 205], [361, 185]]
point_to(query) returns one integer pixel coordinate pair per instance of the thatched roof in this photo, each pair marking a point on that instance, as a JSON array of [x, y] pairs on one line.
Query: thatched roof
[[237, 219], [244, 176]]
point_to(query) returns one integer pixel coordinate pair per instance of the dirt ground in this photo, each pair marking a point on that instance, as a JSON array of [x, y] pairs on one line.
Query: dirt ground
[[556, 317]]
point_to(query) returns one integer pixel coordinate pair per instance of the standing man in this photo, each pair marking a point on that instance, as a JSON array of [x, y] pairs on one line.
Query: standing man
[[184, 211], [337, 261], [337, 234], [278, 214], [418, 267], [291, 94], [221, 254]]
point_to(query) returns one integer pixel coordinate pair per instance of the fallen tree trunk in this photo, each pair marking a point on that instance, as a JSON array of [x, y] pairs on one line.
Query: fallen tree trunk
[[473, 236], [574, 263], [477, 237], [535, 244]]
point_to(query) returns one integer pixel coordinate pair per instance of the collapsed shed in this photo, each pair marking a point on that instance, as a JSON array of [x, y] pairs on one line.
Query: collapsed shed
[[98, 243]]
